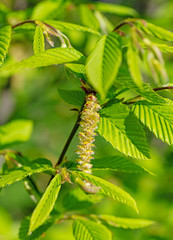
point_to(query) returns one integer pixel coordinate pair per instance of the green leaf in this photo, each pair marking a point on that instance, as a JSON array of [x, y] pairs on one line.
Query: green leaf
[[158, 118], [133, 63], [84, 229], [127, 223], [118, 164], [87, 17], [76, 199], [70, 26], [38, 44], [164, 47], [157, 31], [46, 204], [14, 132], [103, 63], [77, 69], [4, 8], [74, 97], [146, 91], [24, 228], [5, 39], [46, 9], [17, 174], [46, 58], [106, 26], [115, 9], [109, 189], [122, 129]]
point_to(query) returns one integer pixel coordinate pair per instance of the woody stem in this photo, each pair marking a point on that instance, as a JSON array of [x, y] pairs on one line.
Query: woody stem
[[72, 134]]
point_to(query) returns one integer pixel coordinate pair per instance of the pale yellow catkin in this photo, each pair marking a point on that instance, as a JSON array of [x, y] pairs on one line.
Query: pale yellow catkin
[[89, 123]]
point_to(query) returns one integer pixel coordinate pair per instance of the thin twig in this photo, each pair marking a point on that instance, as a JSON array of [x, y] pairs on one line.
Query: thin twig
[[74, 130], [19, 24], [122, 24], [162, 88]]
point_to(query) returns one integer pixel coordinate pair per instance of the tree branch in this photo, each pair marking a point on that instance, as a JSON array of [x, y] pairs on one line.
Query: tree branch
[[19, 24], [74, 130]]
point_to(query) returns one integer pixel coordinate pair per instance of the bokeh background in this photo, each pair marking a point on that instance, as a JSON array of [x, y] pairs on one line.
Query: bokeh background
[[33, 94]]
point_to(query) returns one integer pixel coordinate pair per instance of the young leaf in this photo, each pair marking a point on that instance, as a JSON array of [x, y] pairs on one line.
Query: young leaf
[[157, 31], [17, 174], [115, 9], [133, 63], [70, 26], [109, 189], [5, 38], [120, 140], [77, 69], [45, 9], [158, 118], [76, 199], [164, 47], [103, 63], [24, 228], [118, 164], [74, 97], [46, 58], [46, 204], [122, 129], [88, 18], [15, 132], [84, 229], [127, 223], [146, 91], [38, 44]]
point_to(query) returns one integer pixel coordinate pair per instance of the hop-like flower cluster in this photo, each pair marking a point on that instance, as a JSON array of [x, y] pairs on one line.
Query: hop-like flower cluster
[[89, 123]]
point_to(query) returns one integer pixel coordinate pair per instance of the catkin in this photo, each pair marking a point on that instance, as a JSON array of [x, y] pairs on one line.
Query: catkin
[[89, 123]]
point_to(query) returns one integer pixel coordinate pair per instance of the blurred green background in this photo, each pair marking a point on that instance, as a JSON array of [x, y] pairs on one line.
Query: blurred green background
[[33, 94]]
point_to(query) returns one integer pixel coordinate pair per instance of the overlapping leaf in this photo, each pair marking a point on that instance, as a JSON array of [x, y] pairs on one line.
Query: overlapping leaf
[[110, 190], [5, 38], [84, 229], [119, 164], [46, 58], [38, 44], [146, 91], [46, 204], [70, 26], [77, 69], [76, 199], [103, 63], [133, 63], [158, 118], [74, 97], [157, 31], [127, 223], [17, 174], [87, 17], [24, 228], [123, 130]]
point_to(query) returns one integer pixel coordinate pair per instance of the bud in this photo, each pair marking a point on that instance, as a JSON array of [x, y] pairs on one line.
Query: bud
[[87, 186]]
